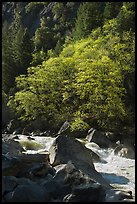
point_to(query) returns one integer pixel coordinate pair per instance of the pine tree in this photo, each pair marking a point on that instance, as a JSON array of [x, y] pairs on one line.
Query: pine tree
[[16, 51], [88, 17], [126, 17], [22, 45], [111, 10], [43, 38], [7, 60]]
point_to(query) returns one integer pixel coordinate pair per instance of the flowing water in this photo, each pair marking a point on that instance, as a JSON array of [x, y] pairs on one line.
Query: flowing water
[[118, 171]]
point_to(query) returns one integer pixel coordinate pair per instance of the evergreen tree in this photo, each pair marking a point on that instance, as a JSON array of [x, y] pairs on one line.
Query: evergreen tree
[[7, 60], [111, 10], [126, 17], [89, 16], [43, 38], [22, 45], [16, 51]]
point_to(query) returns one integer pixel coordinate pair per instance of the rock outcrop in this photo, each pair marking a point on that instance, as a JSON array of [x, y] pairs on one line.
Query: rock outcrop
[[125, 151], [99, 138]]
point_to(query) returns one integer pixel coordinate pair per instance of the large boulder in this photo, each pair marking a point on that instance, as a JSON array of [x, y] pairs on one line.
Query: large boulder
[[12, 147], [8, 184], [27, 193], [92, 145], [125, 151], [99, 138], [114, 195], [69, 184], [77, 184], [65, 149], [97, 156], [57, 189], [86, 193], [24, 165]]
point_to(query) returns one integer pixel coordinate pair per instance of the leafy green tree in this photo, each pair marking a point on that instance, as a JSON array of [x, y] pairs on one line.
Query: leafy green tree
[[124, 52], [46, 87], [85, 83], [38, 57], [91, 81]]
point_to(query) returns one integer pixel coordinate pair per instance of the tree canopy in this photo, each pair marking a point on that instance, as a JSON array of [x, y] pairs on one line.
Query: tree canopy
[[80, 69], [84, 83]]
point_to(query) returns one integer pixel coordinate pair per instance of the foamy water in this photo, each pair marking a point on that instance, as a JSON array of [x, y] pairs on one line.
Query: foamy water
[[118, 171]]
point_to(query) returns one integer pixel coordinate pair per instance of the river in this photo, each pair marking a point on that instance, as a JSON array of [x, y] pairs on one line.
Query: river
[[118, 171]]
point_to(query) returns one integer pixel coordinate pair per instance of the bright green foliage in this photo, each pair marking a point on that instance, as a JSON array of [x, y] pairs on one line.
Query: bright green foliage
[[91, 82], [86, 83], [46, 91], [79, 124], [123, 53], [38, 57]]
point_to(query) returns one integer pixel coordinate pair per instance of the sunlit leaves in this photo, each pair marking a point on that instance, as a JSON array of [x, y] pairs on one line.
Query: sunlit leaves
[[85, 83]]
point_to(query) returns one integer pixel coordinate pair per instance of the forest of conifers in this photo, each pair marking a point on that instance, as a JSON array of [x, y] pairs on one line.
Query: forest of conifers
[[77, 65]]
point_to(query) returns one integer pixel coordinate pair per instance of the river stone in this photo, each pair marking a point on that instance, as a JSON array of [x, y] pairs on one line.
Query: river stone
[[27, 193], [12, 147], [99, 137], [24, 181], [68, 173], [10, 166], [57, 189], [114, 195], [8, 183], [92, 192], [97, 157], [65, 148], [125, 151]]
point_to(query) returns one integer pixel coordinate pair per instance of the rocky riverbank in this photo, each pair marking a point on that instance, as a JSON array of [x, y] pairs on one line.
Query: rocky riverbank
[[51, 169]]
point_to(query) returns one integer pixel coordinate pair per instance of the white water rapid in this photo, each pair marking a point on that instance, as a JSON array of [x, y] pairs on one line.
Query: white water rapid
[[118, 171]]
